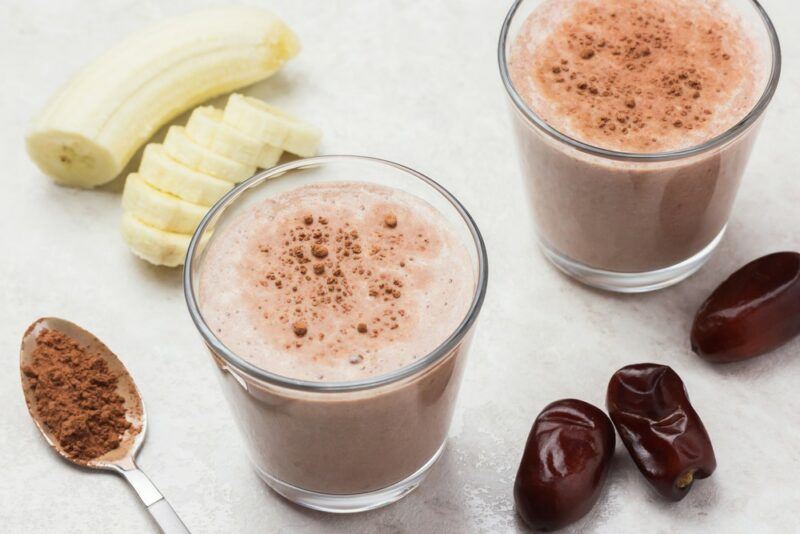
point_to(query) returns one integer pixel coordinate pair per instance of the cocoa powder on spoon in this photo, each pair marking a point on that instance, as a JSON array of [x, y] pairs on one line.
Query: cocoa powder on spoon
[[76, 396]]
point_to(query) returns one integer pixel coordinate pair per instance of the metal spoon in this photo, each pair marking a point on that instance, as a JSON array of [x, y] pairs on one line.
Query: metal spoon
[[121, 459]]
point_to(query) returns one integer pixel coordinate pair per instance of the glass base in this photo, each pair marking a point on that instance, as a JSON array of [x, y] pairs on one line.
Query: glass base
[[631, 282], [349, 504]]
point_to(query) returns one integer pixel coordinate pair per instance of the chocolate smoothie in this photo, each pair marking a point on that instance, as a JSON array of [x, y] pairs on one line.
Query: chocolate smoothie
[[634, 77], [340, 282]]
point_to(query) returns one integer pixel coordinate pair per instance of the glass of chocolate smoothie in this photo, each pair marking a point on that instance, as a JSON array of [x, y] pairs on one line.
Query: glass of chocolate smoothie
[[337, 296], [634, 121]]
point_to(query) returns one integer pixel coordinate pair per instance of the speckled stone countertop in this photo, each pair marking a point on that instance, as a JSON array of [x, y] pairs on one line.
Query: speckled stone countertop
[[415, 82]]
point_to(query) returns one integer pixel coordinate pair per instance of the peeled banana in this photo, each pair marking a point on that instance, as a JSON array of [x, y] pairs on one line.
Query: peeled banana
[[93, 126], [272, 126]]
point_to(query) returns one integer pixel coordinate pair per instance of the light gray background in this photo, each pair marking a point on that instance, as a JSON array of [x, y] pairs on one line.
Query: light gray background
[[416, 82]]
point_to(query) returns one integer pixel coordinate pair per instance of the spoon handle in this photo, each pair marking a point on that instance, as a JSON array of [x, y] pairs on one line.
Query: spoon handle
[[163, 513], [167, 519]]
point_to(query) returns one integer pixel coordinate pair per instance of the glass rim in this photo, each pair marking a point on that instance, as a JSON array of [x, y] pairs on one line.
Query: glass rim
[[751, 117], [253, 371]]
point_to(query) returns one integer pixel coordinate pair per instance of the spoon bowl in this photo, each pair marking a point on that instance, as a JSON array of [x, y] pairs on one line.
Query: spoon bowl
[[121, 459]]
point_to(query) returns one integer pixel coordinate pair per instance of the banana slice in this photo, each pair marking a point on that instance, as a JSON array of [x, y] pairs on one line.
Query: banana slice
[[160, 210], [206, 128], [170, 176], [269, 157], [154, 245], [183, 149], [257, 119], [93, 126]]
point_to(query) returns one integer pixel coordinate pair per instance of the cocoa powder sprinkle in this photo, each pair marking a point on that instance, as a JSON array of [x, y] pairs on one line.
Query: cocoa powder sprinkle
[[335, 253], [319, 251], [300, 328], [601, 61]]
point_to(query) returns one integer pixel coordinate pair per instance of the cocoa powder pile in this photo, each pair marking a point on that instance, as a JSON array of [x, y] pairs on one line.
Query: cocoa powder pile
[[75, 395]]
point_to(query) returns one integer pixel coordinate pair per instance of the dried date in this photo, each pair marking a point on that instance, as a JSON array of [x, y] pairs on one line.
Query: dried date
[[754, 311], [565, 463], [664, 435]]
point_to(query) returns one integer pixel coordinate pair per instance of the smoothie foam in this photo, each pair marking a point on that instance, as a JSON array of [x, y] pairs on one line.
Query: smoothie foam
[[336, 282], [638, 75]]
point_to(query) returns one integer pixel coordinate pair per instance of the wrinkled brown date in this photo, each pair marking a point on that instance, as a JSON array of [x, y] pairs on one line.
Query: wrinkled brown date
[[564, 465], [754, 311], [658, 425]]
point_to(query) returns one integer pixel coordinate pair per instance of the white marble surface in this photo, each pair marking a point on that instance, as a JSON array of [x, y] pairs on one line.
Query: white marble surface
[[414, 81]]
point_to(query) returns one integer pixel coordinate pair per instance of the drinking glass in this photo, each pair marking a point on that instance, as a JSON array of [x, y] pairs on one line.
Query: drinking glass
[[341, 446], [632, 222]]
